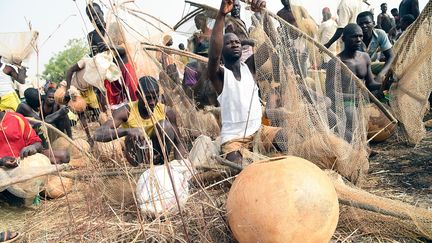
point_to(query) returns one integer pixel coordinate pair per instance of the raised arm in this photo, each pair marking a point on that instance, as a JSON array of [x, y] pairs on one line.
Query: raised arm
[[335, 37], [69, 73], [19, 76], [109, 130], [215, 71]]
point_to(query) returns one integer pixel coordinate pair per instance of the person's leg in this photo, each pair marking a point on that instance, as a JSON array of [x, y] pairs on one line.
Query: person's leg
[[84, 124], [232, 149], [162, 138]]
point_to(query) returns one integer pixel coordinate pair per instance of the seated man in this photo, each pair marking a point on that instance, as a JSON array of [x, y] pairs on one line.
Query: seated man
[[19, 140], [374, 41], [238, 92], [359, 63], [53, 113], [145, 118]]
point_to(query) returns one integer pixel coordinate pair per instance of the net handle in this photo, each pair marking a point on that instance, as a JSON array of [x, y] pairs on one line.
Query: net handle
[[360, 83]]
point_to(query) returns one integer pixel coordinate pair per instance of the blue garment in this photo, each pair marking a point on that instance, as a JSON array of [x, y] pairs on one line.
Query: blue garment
[[379, 43]]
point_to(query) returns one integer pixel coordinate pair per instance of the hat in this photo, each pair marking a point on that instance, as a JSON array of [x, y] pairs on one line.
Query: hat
[[166, 39]]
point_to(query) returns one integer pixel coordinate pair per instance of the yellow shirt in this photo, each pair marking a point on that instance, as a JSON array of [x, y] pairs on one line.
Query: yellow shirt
[[135, 120]]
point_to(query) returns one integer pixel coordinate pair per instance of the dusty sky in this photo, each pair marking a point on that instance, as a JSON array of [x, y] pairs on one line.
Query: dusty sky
[[60, 20]]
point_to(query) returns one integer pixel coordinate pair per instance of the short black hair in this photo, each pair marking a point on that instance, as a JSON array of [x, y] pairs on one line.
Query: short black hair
[[408, 19], [394, 10], [31, 96], [90, 7], [50, 90], [349, 29], [365, 14], [382, 4], [148, 84]]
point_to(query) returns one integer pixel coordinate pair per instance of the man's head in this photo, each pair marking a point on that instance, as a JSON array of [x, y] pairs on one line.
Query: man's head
[[352, 37], [366, 21], [200, 21], [395, 12], [231, 51], [384, 7], [181, 46], [406, 21], [285, 3], [235, 12], [326, 14], [94, 13], [49, 97], [148, 91], [167, 40], [31, 96]]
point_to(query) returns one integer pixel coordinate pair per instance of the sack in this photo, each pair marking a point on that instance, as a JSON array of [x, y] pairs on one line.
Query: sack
[[17, 47], [155, 192], [100, 68]]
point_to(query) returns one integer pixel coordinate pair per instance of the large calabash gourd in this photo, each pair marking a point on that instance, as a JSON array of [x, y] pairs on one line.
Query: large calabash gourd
[[106, 152], [77, 104], [78, 158], [288, 200], [57, 187], [60, 94], [377, 121]]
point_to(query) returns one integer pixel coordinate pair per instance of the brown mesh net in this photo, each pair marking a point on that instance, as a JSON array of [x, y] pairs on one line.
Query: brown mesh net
[[413, 85], [318, 104]]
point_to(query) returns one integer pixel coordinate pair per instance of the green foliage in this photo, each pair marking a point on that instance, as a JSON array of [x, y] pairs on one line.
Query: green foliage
[[57, 66]]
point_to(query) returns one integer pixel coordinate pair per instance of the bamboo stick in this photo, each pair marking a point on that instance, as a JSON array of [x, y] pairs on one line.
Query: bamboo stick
[[12, 181]]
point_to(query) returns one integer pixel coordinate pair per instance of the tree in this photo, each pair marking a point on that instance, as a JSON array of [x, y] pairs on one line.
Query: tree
[[57, 66]]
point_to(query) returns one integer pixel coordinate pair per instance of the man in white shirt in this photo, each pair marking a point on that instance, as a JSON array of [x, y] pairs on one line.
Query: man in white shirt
[[327, 28], [241, 110], [347, 12]]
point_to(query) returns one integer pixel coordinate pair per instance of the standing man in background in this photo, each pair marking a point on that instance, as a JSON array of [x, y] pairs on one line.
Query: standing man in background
[[384, 20], [347, 11], [327, 28]]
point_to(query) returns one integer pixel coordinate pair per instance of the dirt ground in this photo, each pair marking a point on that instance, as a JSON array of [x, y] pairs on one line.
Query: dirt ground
[[398, 171]]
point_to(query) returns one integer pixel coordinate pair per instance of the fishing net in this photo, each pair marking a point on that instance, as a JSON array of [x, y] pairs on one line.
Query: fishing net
[[304, 96], [413, 78]]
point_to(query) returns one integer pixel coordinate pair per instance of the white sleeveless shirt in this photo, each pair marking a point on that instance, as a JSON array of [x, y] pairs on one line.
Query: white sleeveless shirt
[[6, 83], [240, 105]]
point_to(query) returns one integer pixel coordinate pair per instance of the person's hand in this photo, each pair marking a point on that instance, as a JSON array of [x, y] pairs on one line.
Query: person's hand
[[27, 151], [380, 78], [226, 6], [64, 110], [257, 5], [137, 134], [8, 162]]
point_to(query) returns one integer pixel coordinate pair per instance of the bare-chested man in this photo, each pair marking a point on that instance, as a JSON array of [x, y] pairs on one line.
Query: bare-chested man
[[360, 64]]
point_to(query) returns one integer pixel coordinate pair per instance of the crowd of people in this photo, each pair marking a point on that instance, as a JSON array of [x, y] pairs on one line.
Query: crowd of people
[[139, 113]]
